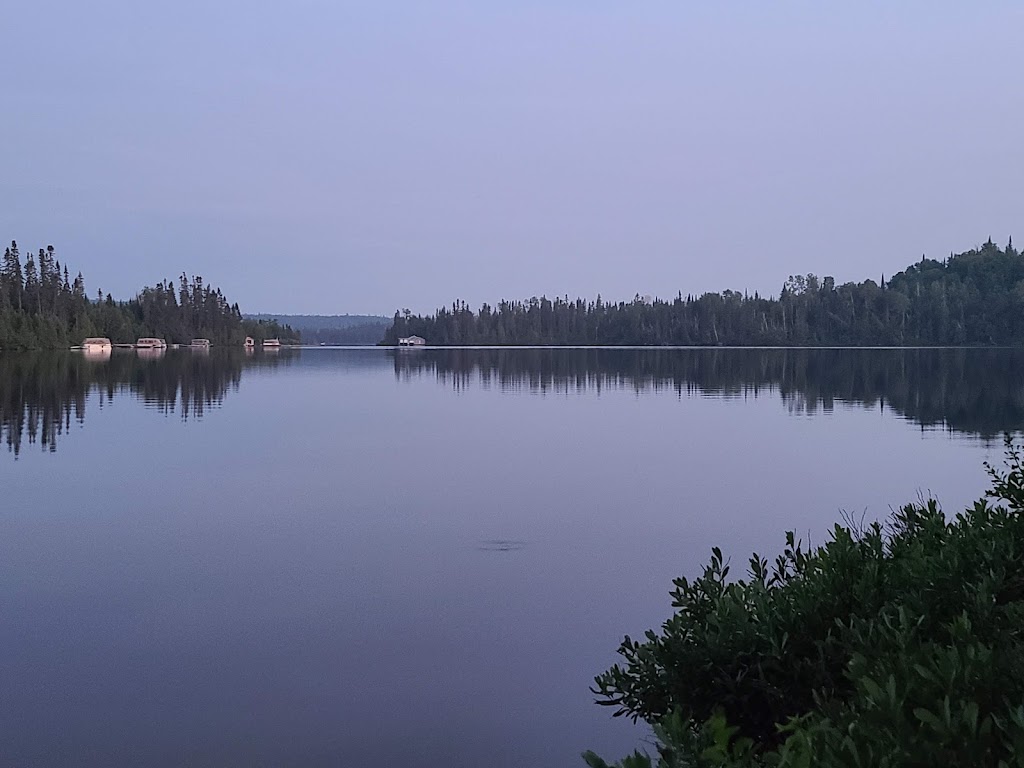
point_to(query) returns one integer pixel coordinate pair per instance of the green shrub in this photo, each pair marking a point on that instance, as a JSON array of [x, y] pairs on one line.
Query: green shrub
[[895, 645]]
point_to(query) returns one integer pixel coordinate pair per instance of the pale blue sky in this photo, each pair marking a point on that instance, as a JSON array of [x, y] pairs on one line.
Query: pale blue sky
[[335, 157]]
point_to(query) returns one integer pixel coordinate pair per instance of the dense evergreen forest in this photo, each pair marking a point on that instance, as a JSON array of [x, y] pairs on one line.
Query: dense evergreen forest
[[41, 307], [974, 298]]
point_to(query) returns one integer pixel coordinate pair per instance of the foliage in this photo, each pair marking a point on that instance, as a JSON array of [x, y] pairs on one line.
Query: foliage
[[41, 308], [887, 646], [975, 298]]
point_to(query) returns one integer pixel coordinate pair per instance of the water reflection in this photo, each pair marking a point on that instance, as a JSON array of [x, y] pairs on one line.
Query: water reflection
[[150, 353], [973, 391], [977, 392], [269, 585], [96, 354], [42, 393]]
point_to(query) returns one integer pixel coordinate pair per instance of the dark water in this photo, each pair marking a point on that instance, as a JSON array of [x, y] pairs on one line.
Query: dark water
[[418, 558]]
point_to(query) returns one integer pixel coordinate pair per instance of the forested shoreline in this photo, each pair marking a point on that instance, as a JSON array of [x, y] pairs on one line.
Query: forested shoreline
[[41, 307], [973, 298]]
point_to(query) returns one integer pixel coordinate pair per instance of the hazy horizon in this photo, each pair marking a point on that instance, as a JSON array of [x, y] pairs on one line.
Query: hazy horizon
[[332, 158]]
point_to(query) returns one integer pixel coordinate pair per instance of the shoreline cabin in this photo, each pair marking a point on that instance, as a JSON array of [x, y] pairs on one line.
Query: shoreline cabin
[[250, 341], [202, 343], [151, 343], [96, 344], [412, 341], [271, 342]]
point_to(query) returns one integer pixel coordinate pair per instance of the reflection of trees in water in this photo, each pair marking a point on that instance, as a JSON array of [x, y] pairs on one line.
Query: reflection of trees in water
[[41, 393], [976, 391]]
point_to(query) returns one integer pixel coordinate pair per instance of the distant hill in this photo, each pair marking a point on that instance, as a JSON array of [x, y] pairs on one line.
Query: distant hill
[[333, 329], [316, 322]]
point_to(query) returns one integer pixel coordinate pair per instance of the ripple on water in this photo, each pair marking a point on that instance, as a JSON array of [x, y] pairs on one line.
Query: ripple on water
[[501, 545]]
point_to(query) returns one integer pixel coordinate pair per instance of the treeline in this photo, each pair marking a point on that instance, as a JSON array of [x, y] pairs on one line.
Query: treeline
[[974, 298], [41, 307]]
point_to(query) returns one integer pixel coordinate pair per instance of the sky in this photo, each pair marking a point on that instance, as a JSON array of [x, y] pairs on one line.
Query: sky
[[335, 157]]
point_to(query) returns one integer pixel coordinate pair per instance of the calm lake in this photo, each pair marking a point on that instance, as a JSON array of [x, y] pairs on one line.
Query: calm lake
[[418, 558]]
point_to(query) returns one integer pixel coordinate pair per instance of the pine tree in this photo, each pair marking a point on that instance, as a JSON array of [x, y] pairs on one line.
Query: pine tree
[[31, 286], [13, 277]]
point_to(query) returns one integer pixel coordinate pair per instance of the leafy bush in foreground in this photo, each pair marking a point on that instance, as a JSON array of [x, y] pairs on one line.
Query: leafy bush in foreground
[[897, 645]]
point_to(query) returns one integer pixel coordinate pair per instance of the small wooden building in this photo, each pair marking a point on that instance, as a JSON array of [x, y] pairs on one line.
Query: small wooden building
[[250, 341], [96, 343], [147, 342], [412, 341]]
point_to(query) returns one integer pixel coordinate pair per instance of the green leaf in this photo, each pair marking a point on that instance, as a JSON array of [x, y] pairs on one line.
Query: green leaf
[[594, 761], [928, 718], [971, 716], [872, 688]]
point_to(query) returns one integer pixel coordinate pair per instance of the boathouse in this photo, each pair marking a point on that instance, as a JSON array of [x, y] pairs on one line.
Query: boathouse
[[96, 343]]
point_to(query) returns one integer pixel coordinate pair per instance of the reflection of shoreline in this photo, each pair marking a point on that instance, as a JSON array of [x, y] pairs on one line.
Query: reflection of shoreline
[[150, 353], [974, 391], [41, 392]]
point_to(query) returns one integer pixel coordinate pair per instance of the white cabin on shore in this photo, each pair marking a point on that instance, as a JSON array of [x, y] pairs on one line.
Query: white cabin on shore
[[271, 342], [250, 341], [151, 343], [203, 343], [412, 341], [96, 344]]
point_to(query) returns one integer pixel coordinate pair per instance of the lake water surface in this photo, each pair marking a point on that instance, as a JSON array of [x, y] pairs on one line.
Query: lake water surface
[[332, 557]]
